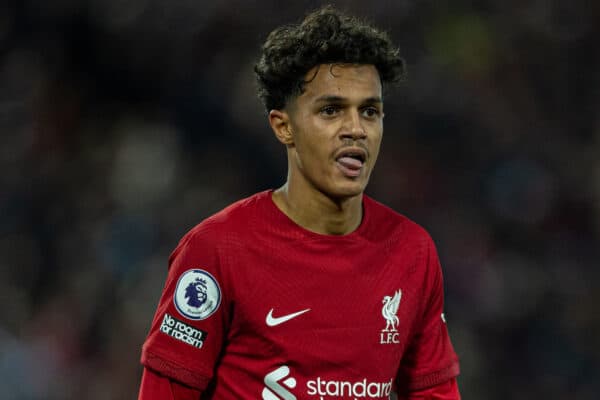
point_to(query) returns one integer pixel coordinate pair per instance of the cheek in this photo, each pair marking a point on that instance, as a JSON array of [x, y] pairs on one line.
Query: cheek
[[376, 144], [314, 145], [316, 154]]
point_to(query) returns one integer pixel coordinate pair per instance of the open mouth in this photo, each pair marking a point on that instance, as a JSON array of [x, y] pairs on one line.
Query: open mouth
[[351, 162]]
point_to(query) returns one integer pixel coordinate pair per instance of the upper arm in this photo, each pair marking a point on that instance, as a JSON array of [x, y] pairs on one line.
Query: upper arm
[[191, 319], [430, 358], [158, 387]]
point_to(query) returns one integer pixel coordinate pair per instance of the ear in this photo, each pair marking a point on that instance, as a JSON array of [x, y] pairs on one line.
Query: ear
[[280, 123]]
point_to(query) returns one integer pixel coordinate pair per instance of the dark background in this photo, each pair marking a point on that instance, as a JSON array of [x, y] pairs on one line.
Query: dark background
[[123, 123]]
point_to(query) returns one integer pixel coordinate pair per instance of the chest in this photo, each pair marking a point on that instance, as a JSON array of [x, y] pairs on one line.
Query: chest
[[350, 305]]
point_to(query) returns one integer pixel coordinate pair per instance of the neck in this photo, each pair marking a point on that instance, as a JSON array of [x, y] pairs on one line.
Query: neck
[[316, 212]]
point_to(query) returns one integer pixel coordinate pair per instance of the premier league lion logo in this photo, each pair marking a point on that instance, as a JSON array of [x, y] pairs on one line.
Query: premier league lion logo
[[197, 295], [195, 292]]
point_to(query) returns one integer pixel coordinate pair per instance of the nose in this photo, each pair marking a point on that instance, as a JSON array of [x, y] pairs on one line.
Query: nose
[[353, 128]]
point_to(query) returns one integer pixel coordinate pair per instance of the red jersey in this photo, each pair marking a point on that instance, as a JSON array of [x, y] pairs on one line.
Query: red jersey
[[255, 306]]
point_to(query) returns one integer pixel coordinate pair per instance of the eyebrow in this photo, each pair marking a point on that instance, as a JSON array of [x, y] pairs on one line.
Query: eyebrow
[[338, 99]]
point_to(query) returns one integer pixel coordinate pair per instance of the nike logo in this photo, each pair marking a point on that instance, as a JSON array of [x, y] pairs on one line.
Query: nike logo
[[274, 321]]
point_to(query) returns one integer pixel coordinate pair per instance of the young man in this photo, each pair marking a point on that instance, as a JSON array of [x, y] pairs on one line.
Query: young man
[[313, 290]]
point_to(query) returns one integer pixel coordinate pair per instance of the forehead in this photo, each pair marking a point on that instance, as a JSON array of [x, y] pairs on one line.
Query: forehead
[[350, 81]]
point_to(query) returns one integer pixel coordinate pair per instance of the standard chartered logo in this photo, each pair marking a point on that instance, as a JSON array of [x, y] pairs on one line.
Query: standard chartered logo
[[272, 380], [345, 389], [279, 381]]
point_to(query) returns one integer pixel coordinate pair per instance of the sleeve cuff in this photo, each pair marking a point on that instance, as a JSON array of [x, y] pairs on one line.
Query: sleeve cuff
[[424, 381], [168, 368]]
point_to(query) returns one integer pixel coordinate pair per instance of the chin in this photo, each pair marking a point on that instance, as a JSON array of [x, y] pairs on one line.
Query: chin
[[347, 190]]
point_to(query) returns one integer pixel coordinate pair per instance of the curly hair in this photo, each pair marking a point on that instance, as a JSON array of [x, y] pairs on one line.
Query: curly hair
[[325, 36]]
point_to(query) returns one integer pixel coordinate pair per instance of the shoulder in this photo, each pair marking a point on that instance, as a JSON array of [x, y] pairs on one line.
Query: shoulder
[[230, 221], [406, 241], [388, 224]]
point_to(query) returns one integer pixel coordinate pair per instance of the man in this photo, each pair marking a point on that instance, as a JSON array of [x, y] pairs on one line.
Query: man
[[313, 290]]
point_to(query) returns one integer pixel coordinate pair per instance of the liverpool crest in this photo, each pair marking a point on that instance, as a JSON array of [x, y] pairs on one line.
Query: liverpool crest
[[389, 334]]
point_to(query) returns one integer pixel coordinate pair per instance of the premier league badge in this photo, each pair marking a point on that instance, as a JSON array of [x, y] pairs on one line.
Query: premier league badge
[[197, 295]]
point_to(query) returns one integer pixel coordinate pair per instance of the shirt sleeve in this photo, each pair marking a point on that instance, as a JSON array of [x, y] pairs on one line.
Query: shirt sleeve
[[191, 319], [430, 358], [444, 391], [158, 387]]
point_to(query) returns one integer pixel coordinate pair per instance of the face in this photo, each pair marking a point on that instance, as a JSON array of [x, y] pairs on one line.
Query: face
[[335, 129]]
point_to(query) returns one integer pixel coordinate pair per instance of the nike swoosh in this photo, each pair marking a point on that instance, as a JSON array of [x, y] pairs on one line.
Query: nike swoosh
[[274, 321]]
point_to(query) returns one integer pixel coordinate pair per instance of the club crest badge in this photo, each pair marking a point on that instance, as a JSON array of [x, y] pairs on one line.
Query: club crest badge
[[389, 311], [197, 295]]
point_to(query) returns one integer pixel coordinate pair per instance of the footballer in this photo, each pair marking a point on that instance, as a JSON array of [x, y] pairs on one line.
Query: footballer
[[312, 290]]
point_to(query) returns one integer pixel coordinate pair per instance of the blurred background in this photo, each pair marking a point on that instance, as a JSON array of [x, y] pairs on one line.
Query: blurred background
[[123, 123]]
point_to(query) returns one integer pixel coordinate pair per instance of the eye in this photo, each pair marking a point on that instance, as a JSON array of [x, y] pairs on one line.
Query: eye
[[370, 112], [330, 110]]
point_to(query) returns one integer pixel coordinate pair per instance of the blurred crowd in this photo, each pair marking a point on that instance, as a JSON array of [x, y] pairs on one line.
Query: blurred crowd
[[123, 123]]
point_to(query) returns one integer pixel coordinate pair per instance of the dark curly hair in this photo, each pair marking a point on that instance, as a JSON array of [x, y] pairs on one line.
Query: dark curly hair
[[325, 36]]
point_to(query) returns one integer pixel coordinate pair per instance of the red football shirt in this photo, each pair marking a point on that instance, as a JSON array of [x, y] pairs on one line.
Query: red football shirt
[[255, 306]]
